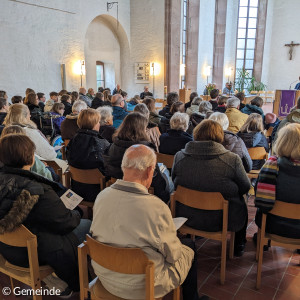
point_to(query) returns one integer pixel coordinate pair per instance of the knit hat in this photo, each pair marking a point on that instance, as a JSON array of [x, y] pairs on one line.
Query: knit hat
[[270, 118], [294, 116]]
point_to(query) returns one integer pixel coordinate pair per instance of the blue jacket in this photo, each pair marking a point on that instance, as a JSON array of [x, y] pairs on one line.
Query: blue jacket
[[57, 120], [119, 115], [250, 109]]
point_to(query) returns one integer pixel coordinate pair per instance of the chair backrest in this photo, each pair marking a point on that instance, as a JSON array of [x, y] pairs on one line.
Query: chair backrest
[[66, 142], [166, 159], [123, 260], [18, 237], [269, 131], [88, 176], [257, 153], [286, 210]]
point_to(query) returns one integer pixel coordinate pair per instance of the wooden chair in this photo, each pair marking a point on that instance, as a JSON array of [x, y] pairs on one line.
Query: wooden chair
[[206, 201], [66, 142], [32, 276], [268, 132], [120, 260], [88, 176], [256, 153], [162, 101], [63, 151], [57, 169], [281, 209], [166, 159]]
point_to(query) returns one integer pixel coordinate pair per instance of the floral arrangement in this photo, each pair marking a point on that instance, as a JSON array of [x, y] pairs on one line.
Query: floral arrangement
[[209, 87]]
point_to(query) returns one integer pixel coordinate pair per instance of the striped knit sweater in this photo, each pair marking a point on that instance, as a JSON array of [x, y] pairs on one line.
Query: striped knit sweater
[[266, 186]]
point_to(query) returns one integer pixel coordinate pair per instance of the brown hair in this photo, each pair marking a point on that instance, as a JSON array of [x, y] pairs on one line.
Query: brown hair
[[133, 128], [16, 150], [57, 107], [150, 103], [99, 95], [172, 98], [28, 91], [74, 96], [254, 123], [222, 100], [16, 99], [257, 101], [209, 130], [105, 94], [62, 92], [30, 99], [88, 118], [12, 129], [177, 107], [65, 97]]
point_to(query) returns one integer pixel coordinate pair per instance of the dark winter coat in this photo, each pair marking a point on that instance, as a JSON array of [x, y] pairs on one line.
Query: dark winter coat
[[173, 140], [57, 119], [236, 145], [119, 115], [113, 163], [165, 110], [85, 151], [250, 109], [196, 118], [97, 102], [106, 132], [287, 190], [164, 124], [214, 104], [69, 127], [29, 199], [221, 109], [255, 139], [36, 113], [68, 108], [2, 117], [145, 94], [207, 166]]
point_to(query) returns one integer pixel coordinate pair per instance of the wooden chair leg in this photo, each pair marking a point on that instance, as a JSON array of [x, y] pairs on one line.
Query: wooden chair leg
[[261, 251], [257, 244], [12, 283], [176, 293], [231, 245], [193, 238], [223, 261]]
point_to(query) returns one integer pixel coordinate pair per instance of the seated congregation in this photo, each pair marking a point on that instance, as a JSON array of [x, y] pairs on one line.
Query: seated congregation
[[209, 144]]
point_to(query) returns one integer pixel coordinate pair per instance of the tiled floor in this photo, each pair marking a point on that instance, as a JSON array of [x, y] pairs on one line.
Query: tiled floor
[[280, 274]]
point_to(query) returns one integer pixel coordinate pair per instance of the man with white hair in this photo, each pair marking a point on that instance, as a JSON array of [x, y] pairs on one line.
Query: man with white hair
[[126, 215], [69, 126], [145, 93], [106, 129], [119, 113], [235, 116]]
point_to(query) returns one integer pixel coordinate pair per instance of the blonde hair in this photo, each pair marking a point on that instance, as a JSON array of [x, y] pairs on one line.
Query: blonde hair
[[254, 123], [17, 115], [88, 118], [288, 142]]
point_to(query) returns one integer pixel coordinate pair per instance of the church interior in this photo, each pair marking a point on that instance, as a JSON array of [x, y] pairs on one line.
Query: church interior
[[171, 76]]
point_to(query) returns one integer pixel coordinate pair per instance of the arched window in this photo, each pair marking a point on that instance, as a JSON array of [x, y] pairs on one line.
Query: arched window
[[100, 74]]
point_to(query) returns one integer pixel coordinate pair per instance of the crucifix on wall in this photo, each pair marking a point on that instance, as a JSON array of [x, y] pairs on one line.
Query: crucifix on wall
[[291, 45]]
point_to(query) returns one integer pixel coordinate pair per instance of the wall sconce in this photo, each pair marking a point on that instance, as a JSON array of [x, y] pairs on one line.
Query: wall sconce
[[154, 71], [207, 72], [79, 69], [182, 70], [228, 72]]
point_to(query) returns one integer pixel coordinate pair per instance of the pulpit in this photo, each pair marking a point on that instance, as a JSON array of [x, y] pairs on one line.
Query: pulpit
[[184, 95], [285, 100]]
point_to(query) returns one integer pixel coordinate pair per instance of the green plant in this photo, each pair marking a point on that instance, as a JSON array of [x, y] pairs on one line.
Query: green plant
[[241, 80], [255, 85]]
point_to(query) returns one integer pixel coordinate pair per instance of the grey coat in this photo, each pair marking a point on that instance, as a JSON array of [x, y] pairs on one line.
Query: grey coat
[[236, 145], [207, 166]]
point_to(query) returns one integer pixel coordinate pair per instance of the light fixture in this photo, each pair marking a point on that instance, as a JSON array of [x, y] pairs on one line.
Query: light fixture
[[154, 71], [228, 72], [182, 70], [79, 69], [207, 72]]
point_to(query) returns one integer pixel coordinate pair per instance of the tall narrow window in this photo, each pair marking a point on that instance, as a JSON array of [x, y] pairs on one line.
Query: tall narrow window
[[100, 74], [246, 35], [184, 43]]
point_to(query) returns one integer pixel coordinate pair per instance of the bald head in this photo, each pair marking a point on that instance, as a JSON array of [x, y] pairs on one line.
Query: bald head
[[82, 90], [138, 164], [116, 100]]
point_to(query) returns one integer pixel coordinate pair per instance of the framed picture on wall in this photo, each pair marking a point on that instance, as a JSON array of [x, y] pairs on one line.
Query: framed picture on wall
[[142, 72]]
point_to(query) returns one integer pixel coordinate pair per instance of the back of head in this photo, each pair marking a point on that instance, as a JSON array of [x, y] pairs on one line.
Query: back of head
[[139, 158], [18, 115], [12, 129], [57, 107], [3, 102], [78, 106], [91, 91], [74, 96], [63, 92], [124, 94], [116, 100], [28, 91], [177, 107], [40, 95], [99, 95], [142, 109], [88, 118], [240, 96], [179, 121], [65, 98], [197, 100], [172, 98], [270, 118], [233, 102], [254, 123], [204, 107], [288, 142], [16, 150], [221, 118], [133, 128], [106, 114], [16, 99], [100, 89], [209, 130], [257, 101], [214, 93], [193, 95], [150, 103], [30, 99], [51, 94], [222, 100], [82, 90]]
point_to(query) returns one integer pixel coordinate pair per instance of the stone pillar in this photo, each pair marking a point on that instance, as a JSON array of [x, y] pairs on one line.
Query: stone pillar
[[172, 44], [219, 42], [192, 44]]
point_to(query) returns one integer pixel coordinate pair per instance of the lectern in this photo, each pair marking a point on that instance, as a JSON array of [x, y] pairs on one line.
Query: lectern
[[285, 100]]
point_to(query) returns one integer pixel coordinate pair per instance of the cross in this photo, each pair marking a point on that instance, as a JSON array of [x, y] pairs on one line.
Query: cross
[[291, 45]]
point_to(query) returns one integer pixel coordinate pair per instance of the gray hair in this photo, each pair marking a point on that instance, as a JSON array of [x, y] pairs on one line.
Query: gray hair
[[106, 114], [233, 102], [197, 101], [142, 109], [221, 118], [205, 106], [78, 106], [179, 121], [138, 157]]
